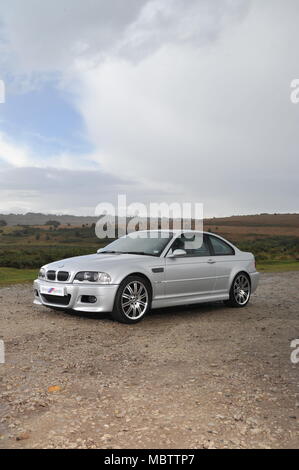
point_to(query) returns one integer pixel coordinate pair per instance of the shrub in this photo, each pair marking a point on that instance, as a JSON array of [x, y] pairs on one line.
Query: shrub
[[53, 223]]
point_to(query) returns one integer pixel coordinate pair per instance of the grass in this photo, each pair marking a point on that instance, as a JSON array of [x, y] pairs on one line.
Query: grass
[[14, 276], [24, 248], [278, 266]]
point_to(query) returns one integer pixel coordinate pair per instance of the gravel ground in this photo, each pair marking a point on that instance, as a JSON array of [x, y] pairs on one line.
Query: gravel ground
[[203, 376]]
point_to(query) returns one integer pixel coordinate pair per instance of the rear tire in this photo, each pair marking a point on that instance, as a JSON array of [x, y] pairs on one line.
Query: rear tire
[[240, 291], [133, 300]]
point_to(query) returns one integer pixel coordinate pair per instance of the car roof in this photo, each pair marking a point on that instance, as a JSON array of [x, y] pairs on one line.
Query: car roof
[[175, 231]]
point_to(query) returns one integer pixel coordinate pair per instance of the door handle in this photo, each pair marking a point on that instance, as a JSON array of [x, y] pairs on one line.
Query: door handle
[[211, 261]]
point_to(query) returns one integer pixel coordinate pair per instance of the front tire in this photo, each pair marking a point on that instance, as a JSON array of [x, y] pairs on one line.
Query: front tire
[[132, 301], [240, 291]]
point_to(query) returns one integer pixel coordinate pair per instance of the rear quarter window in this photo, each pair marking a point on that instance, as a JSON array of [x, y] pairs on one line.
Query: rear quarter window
[[221, 248]]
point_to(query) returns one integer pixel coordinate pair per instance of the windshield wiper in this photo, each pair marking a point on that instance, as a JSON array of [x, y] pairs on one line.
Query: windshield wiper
[[126, 253], [137, 253]]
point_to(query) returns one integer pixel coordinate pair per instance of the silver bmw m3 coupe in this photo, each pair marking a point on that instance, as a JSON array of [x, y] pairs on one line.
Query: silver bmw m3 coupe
[[149, 269]]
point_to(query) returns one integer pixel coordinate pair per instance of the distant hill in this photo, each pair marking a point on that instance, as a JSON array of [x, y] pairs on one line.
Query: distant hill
[[240, 227], [271, 220], [27, 242], [32, 218], [258, 220]]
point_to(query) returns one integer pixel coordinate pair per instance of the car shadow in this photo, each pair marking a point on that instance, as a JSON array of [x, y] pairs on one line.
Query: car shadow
[[191, 308], [79, 314], [200, 308]]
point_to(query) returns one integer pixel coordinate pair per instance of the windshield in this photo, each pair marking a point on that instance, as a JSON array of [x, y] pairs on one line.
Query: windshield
[[144, 243]]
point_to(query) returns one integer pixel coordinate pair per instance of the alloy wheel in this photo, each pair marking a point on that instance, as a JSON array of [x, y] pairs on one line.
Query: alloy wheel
[[241, 289], [134, 300]]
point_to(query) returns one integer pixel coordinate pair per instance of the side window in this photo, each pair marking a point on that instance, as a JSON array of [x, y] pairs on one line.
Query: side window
[[220, 247], [196, 245]]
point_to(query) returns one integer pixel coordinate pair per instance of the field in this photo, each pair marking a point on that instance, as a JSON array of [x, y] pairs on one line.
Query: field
[[201, 376], [278, 266], [222, 378], [274, 240], [15, 276]]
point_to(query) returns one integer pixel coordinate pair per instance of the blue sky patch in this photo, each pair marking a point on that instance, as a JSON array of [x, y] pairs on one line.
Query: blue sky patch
[[45, 120]]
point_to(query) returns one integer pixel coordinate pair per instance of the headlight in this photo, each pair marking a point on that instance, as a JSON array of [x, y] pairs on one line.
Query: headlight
[[42, 273], [92, 276]]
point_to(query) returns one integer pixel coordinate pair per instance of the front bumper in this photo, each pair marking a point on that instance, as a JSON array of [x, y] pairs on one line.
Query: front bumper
[[105, 295]]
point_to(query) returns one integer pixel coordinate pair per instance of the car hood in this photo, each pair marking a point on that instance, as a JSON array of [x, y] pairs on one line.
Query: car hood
[[99, 262]]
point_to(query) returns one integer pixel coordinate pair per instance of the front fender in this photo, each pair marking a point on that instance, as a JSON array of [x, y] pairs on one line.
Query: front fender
[[155, 278]]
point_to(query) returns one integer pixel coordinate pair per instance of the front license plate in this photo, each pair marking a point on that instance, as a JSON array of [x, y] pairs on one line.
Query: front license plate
[[52, 290]]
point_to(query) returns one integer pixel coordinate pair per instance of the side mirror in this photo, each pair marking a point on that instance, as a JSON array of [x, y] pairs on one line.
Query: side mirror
[[177, 253]]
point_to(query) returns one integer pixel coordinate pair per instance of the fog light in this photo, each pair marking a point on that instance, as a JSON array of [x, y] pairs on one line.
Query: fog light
[[88, 299]]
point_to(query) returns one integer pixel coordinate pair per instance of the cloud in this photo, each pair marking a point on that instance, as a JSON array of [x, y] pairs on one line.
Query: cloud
[[52, 190], [62, 184], [15, 155], [21, 155], [51, 36], [47, 36], [189, 99], [214, 122], [179, 22]]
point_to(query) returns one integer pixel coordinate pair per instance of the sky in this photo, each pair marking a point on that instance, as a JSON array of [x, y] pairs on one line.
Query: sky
[[160, 100]]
